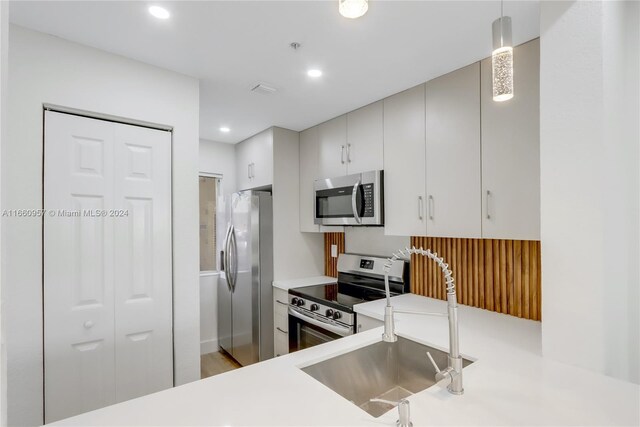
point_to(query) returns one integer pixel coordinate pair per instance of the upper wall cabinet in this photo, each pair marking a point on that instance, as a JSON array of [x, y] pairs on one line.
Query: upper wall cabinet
[[332, 140], [511, 151], [351, 143], [456, 163], [404, 163], [243, 165], [453, 154], [309, 172], [254, 161], [365, 139]]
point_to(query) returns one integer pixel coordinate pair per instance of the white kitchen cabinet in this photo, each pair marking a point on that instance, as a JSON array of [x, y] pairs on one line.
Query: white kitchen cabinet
[[254, 161], [262, 159], [453, 154], [404, 163], [365, 323], [351, 143], [365, 139], [309, 172], [511, 151], [243, 165], [280, 322], [332, 143]]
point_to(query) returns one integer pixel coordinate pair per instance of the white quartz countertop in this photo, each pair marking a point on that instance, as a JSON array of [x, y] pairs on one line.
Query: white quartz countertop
[[305, 281], [508, 384]]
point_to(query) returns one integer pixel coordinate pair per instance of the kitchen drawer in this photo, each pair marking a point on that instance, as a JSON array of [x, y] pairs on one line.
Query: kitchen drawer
[[281, 344], [280, 302], [280, 307], [281, 321]]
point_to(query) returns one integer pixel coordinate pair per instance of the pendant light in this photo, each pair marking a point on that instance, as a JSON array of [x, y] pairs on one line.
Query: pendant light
[[353, 8], [502, 58]]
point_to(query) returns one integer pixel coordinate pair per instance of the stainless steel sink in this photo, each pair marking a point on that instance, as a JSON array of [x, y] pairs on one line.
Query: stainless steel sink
[[389, 371]]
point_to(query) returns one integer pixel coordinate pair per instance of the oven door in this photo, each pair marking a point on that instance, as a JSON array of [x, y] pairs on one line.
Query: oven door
[[306, 331]]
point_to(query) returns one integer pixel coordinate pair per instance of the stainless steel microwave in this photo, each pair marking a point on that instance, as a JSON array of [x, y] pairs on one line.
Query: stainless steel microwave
[[356, 199]]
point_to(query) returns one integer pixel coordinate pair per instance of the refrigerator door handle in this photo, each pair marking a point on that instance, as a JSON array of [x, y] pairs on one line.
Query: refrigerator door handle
[[233, 258], [225, 259]]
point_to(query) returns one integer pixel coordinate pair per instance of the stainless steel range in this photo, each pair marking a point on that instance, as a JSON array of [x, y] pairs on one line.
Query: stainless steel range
[[322, 313]]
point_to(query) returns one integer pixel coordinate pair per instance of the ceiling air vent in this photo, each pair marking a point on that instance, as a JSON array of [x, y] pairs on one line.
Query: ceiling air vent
[[262, 88]]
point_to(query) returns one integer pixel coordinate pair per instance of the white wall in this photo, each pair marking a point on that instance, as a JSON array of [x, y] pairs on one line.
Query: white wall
[[4, 43], [46, 69], [372, 241], [589, 185], [208, 312], [217, 158], [621, 76]]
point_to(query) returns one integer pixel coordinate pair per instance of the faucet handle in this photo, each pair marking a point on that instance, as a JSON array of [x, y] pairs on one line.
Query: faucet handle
[[433, 362], [440, 375]]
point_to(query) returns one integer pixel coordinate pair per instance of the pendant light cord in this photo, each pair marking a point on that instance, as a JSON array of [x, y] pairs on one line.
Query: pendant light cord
[[501, 23]]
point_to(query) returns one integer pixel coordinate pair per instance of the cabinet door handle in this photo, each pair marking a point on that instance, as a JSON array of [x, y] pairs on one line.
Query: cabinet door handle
[[488, 196], [283, 303], [348, 153], [249, 171], [342, 154], [420, 207], [253, 170], [431, 206], [284, 332]]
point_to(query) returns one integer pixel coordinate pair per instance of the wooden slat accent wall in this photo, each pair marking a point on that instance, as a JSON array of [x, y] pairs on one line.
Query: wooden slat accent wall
[[331, 264], [497, 275]]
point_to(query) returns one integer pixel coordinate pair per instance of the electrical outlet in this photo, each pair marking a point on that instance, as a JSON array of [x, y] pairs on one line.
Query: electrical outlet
[[334, 251]]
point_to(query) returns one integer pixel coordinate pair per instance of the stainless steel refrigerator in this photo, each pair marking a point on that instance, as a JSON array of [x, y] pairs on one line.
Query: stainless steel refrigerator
[[245, 293]]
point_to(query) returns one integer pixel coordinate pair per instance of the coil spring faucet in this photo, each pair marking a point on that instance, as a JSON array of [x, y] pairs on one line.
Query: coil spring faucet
[[454, 369]]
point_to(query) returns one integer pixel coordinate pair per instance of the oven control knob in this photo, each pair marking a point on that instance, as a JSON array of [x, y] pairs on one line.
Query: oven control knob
[[329, 312], [300, 302], [337, 315], [314, 307], [294, 301]]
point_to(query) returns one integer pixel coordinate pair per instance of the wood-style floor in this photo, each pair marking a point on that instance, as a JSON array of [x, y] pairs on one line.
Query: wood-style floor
[[216, 363]]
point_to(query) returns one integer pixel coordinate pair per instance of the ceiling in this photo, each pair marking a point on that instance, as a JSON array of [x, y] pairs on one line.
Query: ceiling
[[232, 45]]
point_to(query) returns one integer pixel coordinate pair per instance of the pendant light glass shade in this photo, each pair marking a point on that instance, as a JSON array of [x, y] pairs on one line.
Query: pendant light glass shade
[[353, 8], [502, 60]]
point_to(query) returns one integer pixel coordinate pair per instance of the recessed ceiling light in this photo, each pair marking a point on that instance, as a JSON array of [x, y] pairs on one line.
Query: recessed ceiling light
[[159, 12], [314, 73], [353, 8], [225, 129]]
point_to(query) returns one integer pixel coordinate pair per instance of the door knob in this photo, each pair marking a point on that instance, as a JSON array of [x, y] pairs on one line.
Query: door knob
[[88, 324]]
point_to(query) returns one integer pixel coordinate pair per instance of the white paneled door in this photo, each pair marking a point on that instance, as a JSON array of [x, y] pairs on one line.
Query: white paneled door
[[107, 263]]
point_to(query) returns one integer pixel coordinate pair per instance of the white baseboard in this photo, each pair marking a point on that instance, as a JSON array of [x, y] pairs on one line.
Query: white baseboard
[[209, 346]]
